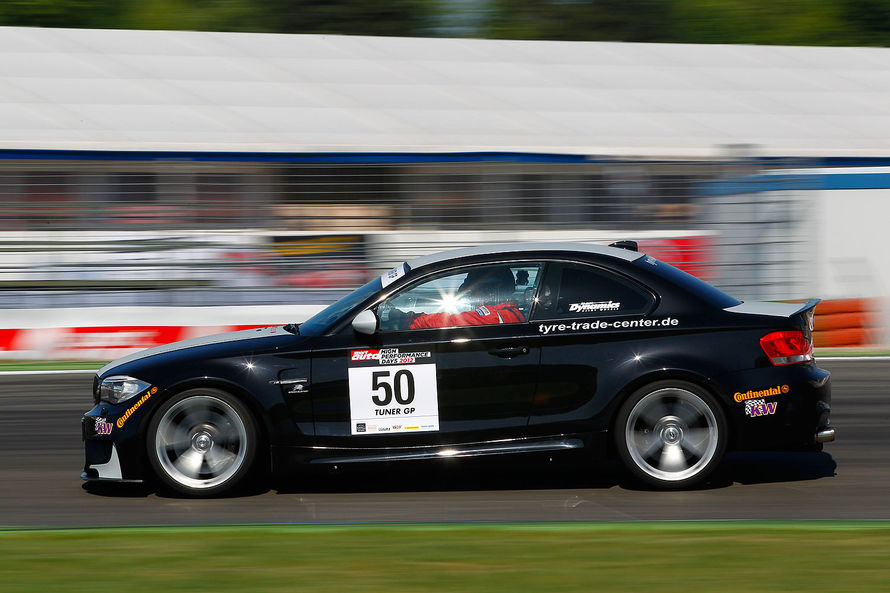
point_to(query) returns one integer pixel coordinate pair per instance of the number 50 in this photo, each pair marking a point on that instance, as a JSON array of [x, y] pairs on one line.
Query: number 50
[[379, 381]]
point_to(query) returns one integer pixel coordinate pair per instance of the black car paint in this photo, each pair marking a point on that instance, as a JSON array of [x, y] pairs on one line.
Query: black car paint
[[568, 382]]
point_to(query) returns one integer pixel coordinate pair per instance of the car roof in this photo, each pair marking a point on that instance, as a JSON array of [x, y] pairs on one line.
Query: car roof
[[539, 247]]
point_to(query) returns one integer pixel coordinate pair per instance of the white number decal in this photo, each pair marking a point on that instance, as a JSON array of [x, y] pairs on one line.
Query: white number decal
[[393, 398]]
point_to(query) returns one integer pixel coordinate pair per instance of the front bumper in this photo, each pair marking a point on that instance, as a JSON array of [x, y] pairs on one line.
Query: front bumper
[[111, 454]]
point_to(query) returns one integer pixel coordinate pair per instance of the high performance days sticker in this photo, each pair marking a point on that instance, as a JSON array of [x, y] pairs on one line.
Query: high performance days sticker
[[389, 398]]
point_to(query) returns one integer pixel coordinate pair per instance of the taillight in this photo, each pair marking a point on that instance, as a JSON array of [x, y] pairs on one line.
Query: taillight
[[787, 347]]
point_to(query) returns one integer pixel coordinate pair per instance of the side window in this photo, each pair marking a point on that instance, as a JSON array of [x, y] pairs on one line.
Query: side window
[[478, 295], [576, 290]]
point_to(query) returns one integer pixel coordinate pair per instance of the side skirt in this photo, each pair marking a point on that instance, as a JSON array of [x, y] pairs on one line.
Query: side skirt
[[330, 455]]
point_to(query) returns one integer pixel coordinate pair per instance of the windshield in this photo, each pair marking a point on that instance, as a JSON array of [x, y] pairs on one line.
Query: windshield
[[324, 319]]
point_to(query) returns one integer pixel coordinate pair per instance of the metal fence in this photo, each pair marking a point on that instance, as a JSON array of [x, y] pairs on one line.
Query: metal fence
[[81, 232]]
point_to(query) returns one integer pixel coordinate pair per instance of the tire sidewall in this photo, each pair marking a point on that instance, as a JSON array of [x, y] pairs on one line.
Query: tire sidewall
[[251, 443], [639, 474]]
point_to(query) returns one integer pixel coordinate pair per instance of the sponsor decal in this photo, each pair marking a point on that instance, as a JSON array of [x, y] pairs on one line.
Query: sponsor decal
[[365, 355], [483, 310], [760, 407], [393, 275], [545, 328], [103, 427], [394, 397], [132, 409], [594, 306], [387, 356], [757, 393]]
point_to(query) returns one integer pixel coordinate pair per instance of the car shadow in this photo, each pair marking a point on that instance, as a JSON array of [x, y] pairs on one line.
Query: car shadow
[[453, 475], [745, 468], [498, 474], [758, 467], [117, 490]]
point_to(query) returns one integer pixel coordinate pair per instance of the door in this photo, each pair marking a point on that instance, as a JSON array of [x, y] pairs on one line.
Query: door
[[586, 316], [454, 361]]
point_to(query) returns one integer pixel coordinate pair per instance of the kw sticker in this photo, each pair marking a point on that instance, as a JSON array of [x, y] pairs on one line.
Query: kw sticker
[[768, 392], [760, 407], [103, 427]]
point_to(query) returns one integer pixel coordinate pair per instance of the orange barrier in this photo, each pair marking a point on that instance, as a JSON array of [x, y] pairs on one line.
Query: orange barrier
[[849, 322]]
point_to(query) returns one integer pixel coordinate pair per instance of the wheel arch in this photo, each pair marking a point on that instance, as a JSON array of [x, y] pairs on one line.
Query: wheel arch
[[655, 376], [260, 417]]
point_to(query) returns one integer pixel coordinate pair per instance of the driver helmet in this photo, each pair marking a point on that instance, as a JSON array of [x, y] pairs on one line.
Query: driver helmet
[[487, 286]]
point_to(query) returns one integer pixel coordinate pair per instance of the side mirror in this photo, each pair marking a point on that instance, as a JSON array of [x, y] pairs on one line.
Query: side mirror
[[365, 322]]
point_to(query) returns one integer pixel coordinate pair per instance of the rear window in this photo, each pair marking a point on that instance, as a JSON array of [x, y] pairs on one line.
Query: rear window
[[688, 282], [576, 290]]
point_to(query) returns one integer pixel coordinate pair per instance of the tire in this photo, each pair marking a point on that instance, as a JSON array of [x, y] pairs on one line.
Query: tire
[[671, 434], [201, 442]]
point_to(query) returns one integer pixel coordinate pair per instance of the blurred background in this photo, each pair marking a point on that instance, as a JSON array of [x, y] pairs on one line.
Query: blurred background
[[173, 168]]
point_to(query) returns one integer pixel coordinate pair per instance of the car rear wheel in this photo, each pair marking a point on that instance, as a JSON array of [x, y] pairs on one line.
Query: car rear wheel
[[671, 434], [201, 442]]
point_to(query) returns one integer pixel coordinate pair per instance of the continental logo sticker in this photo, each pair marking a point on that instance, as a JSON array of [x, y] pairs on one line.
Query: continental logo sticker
[[132, 409], [754, 394]]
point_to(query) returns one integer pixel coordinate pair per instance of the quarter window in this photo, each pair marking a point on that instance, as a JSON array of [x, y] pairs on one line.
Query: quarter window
[[576, 290], [478, 295]]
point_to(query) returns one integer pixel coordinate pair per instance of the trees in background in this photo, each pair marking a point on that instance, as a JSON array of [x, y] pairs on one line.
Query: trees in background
[[797, 22]]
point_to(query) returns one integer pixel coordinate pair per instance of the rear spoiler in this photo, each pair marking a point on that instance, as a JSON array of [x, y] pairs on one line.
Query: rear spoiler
[[807, 305], [774, 309]]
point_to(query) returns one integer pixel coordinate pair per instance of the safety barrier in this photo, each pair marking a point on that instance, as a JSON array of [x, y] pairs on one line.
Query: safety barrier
[[96, 343], [849, 323]]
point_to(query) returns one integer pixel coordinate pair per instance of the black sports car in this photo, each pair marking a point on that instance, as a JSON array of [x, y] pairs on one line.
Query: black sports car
[[507, 349]]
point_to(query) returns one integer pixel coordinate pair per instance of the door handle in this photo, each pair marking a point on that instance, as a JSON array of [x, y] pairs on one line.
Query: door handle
[[509, 352]]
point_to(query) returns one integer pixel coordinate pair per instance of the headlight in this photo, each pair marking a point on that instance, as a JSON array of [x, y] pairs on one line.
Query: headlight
[[119, 388]]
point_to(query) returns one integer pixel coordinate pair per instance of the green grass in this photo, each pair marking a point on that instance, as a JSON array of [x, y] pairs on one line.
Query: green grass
[[50, 365], [645, 557], [873, 351]]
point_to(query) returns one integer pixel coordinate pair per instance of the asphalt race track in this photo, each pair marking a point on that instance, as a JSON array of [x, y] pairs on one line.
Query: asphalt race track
[[42, 460]]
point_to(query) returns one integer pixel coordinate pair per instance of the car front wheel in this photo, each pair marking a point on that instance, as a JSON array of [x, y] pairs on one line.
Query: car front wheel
[[201, 442], [671, 434]]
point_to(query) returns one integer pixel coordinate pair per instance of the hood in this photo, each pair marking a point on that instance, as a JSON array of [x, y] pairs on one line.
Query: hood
[[245, 334]]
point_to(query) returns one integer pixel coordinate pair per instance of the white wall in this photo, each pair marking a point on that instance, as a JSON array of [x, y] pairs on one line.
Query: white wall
[[854, 240]]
